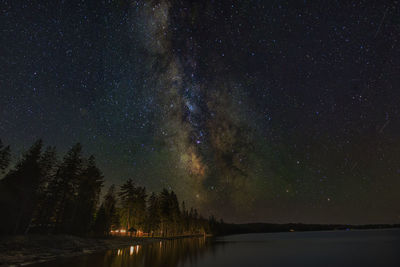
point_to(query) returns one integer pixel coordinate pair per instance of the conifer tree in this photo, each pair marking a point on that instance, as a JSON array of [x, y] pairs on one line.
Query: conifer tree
[[87, 195], [100, 223], [175, 215], [47, 163], [110, 206], [65, 187], [4, 156], [19, 191], [165, 214], [140, 201], [133, 205], [126, 195], [153, 214]]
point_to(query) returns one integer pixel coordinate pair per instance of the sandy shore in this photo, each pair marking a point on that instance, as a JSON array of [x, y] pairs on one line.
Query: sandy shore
[[25, 250]]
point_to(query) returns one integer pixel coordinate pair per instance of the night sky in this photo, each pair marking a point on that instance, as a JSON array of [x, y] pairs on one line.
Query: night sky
[[276, 111]]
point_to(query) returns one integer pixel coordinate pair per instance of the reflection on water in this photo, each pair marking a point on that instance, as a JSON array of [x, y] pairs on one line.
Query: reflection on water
[[335, 248], [165, 253]]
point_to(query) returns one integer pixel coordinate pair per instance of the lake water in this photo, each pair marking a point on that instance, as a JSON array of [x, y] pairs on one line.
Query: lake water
[[331, 248]]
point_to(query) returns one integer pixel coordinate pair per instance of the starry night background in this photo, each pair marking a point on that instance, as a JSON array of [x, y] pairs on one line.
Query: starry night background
[[276, 111]]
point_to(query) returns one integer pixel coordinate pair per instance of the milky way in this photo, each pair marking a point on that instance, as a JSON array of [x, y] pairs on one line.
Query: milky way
[[201, 123], [250, 110]]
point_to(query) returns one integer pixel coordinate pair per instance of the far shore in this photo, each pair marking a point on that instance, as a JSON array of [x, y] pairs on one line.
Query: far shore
[[29, 249]]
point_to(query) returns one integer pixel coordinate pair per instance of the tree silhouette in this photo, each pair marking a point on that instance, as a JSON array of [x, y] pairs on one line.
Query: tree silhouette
[[4, 156], [65, 187], [100, 224], [107, 217], [111, 211], [153, 214], [127, 200], [133, 205], [42, 194], [88, 190], [47, 163], [19, 191]]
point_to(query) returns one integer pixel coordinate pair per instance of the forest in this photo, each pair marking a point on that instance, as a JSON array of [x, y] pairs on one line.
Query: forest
[[42, 194]]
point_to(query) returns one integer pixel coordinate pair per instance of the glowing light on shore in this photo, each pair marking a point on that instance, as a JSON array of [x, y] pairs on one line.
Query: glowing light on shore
[[131, 250]]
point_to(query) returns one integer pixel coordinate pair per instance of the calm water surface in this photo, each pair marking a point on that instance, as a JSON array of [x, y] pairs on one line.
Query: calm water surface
[[335, 248]]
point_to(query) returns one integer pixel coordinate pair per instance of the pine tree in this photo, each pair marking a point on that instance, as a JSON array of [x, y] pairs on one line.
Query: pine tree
[[139, 209], [88, 190], [47, 163], [165, 212], [153, 214], [133, 205], [106, 216], [110, 206], [100, 223], [175, 213], [19, 190], [185, 218], [127, 200], [4, 156], [64, 188]]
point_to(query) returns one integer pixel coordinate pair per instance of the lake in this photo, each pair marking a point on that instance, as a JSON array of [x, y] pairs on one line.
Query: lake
[[330, 248]]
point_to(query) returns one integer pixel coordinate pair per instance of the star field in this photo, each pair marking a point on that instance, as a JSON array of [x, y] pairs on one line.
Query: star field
[[277, 111]]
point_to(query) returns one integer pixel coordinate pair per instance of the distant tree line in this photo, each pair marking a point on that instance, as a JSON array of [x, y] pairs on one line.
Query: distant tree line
[[44, 194]]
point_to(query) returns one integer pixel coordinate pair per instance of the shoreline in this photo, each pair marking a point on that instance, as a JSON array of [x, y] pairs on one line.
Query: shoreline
[[32, 249]]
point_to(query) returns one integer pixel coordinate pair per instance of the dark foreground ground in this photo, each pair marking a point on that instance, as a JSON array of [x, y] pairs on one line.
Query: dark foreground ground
[[28, 249]]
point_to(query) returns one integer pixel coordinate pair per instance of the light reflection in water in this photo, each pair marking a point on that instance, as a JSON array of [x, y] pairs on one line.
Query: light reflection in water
[[311, 249], [164, 253]]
